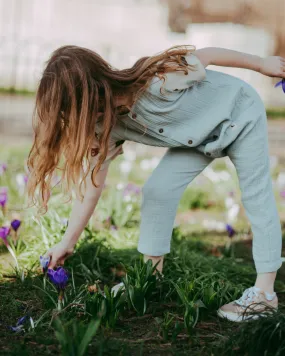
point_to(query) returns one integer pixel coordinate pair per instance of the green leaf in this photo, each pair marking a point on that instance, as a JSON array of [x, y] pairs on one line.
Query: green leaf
[[89, 333]]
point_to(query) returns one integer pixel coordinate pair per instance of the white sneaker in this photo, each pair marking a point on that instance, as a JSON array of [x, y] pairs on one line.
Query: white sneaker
[[251, 305]]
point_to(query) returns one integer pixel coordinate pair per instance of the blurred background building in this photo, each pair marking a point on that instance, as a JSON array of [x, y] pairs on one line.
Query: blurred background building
[[124, 30]]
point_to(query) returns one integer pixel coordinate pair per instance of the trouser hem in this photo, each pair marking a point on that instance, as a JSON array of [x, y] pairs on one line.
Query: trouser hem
[[150, 251], [266, 267]]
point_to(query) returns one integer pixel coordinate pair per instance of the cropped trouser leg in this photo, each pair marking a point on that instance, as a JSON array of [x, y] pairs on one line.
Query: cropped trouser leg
[[249, 153], [161, 195]]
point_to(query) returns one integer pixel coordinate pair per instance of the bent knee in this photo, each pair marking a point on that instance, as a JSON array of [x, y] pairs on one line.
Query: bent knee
[[155, 191]]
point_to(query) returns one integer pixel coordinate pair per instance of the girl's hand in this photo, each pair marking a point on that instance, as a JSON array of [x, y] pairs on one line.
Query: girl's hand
[[58, 253], [273, 66]]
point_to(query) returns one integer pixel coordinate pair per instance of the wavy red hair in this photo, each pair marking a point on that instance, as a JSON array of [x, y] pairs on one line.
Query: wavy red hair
[[77, 84]]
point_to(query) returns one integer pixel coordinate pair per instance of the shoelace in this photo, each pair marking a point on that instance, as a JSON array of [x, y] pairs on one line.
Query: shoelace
[[247, 296]]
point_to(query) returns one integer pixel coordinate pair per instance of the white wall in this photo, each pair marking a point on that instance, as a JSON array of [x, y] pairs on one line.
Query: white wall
[[120, 30]]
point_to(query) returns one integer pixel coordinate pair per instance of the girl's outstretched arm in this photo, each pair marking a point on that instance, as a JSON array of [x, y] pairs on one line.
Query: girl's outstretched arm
[[82, 211], [272, 66], [79, 217]]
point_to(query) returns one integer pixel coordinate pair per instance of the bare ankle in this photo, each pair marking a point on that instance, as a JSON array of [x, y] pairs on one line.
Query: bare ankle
[[265, 281], [154, 260]]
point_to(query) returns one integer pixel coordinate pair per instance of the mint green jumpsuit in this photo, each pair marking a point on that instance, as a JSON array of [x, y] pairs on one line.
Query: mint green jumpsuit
[[199, 117]]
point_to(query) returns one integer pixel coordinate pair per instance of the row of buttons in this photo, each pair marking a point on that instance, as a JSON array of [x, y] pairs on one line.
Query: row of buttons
[[190, 142]]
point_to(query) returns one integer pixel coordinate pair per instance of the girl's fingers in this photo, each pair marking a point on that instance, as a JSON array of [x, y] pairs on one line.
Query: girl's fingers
[[52, 263], [61, 261]]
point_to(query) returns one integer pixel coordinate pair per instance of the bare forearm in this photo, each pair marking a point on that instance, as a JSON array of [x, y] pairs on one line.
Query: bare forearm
[[82, 211], [228, 58], [79, 217]]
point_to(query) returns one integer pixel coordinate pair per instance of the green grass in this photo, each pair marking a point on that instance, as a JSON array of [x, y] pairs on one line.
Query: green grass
[[274, 113], [173, 315], [13, 91]]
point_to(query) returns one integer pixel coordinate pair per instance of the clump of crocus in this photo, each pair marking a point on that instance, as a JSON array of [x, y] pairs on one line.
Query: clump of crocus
[[230, 230], [59, 279]]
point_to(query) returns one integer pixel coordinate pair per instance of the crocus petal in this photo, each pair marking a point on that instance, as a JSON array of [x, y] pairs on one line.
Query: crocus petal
[[64, 221], [277, 84], [282, 83], [20, 325], [44, 262], [17, 329], [22, 320], [4, 232], [50, 274], [15, 224], [58, 277], [3, 196], [230, 230]]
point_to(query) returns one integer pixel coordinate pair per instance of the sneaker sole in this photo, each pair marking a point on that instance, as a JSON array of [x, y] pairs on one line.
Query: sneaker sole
[[239, 318]]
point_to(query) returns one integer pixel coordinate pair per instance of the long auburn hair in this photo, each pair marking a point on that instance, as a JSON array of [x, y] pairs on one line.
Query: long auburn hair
[[76, 86]]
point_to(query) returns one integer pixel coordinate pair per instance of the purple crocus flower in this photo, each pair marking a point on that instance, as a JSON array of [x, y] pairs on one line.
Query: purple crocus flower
[[4, 232], [3, 196], [282, 83], [15, 224], [282, 194], [44, 262], [230, 230], [58, 277]]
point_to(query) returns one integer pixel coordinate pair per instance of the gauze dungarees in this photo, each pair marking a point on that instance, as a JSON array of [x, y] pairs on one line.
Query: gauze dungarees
[[201, 116]]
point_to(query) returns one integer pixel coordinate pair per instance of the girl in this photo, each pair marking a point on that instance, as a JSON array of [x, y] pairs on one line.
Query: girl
[[85, 110]]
